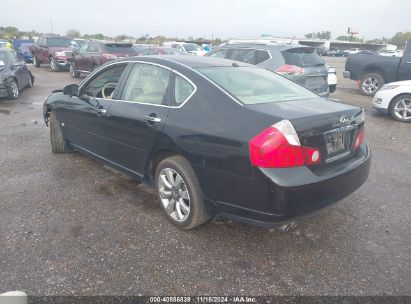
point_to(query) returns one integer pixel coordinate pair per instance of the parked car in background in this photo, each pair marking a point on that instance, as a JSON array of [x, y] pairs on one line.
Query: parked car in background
[[367, 52], [395, 99], [186, 48], [322, 51], [373, 71], [95, 53], [396, 53], [214, 137], [51, 49], [160, 51], [140, 47], [353, 51], [78, 43], [299, 63], [24, 51], [14, 74]]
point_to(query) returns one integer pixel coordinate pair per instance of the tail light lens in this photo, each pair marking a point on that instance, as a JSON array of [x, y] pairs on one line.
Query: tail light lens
[[288, 69], [109, 56], [359, 138], [279, 147]]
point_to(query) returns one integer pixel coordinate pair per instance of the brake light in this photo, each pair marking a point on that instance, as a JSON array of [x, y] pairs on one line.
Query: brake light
[[359, 138], [279, 147], [288, 69], [109, 56]]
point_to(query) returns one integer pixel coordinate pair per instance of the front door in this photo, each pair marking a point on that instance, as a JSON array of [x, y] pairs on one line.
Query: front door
[[135, 121], [405, 64], [85, 116]]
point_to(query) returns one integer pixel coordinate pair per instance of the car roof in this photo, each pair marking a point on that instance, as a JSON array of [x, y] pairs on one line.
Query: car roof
[[189, 61]]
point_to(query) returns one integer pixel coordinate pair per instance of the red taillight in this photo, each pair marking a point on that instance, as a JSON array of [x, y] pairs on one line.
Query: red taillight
[[279, 147], [109, 56], [288, 69], [359, 138]]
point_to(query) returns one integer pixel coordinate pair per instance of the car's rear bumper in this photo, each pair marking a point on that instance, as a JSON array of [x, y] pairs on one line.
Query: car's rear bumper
[[298, 192]]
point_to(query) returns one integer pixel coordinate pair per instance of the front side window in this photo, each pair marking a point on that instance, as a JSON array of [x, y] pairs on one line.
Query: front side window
[[83, 48], [105, 83], [252, 85], [147, 83], [93, 48], [182, 90]]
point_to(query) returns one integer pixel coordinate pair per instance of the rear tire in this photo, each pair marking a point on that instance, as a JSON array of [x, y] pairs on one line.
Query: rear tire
[[370, 83], [56, 135], [187, 194], [36, 62], [399, 106]]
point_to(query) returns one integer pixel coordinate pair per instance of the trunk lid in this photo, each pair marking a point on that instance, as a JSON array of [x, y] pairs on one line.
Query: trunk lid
[[331, 127]]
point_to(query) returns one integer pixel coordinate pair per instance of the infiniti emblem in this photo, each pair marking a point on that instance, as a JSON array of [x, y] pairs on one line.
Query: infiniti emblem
[[344, 120]]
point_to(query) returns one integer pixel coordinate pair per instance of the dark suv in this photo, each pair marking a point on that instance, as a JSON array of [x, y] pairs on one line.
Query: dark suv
[[92, 54], [299, 63]]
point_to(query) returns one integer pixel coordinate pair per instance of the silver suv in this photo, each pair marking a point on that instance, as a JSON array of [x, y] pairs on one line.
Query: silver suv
[[299, 63]]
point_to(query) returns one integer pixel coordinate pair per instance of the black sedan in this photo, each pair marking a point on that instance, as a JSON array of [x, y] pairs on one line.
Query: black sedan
[[14, 75], [215, 137]]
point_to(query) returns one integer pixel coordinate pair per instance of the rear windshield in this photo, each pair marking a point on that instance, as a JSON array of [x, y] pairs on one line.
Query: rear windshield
[[254, 85], [191, 47], [59, 42], [120, 48], [302, 57]]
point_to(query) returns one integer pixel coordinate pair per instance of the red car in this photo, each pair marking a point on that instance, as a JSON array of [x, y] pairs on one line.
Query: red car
[[95, 53]]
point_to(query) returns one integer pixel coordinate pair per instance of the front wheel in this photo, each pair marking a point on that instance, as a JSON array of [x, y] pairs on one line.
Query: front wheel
[[56, 135], [180, 193], [400, 108], [370, 83], [13, 90]]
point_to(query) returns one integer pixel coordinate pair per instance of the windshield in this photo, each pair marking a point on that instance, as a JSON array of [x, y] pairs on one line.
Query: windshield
[[302, 57], [120, 48], [254, 85], [171, 51], [59, 42], [25, 46], [191, 47], [3, 59]]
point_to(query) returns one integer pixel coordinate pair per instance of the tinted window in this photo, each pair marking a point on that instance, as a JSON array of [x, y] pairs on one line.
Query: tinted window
[[120, 48], [263, 55], [218, 54], [58, 42], [147, 84], [3, 59], [109, 78], [302, 57], [245, 55], [253, 85], [83, 48], [182, 89], [93, 48]]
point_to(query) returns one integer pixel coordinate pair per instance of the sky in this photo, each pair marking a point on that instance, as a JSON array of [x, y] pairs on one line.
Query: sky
[[210, 18]]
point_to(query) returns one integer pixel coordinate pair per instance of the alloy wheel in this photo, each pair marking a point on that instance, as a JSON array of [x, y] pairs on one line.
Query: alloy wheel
[[371, 85], [174, 195], [14, 89], [52, 64], [402, 109]]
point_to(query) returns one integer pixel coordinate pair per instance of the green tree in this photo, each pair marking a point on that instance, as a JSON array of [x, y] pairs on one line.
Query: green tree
[[324, 35], [400, 39], [73, 33], [349, 38]]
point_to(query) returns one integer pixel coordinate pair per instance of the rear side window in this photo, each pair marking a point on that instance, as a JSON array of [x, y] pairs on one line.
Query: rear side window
[[263, 55], [244, 55], [302, 57], [182, 90], [119, 48]]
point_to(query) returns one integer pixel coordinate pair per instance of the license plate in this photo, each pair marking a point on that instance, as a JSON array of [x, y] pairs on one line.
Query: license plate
[[337, 142]]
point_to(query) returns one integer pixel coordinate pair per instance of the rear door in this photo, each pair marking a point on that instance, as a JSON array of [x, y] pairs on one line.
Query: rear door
[[136, 120], [404, 72], [311, 70]]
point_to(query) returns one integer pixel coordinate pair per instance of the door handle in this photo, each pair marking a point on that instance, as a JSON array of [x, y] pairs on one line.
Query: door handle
[[152, 119]]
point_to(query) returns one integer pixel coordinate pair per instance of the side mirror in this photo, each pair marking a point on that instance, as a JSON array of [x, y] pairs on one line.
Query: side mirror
[[71, 90]]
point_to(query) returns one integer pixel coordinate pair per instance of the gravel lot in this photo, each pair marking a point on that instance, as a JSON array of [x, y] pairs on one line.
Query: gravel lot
[[69, 225]]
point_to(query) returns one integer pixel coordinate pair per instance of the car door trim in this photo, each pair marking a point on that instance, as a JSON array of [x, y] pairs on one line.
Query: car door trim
[[145, 62]]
